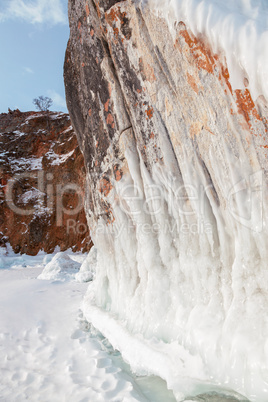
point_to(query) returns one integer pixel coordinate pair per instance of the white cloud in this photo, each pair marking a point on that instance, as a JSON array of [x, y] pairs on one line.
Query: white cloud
[[28, 70], [58, 100], [35, 11]]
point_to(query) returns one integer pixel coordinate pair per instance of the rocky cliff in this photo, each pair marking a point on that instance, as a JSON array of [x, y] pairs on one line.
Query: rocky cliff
[[176, 163], [41, 183]]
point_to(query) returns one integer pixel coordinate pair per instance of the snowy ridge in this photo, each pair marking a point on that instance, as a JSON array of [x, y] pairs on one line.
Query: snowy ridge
[[238, 28]]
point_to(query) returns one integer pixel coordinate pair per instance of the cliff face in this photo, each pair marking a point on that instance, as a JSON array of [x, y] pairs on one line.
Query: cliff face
[[41, 181], [176, 163]]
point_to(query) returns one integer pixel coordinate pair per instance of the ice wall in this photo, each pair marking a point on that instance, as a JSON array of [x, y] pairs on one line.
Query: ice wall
[[176, 162]]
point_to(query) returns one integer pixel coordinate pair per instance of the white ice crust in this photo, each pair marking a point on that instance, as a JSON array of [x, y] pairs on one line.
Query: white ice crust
[[61, 267], [181, 285], [88, 267]]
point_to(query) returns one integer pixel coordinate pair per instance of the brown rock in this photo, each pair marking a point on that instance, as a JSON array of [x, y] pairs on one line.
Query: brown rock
[[42, 178]]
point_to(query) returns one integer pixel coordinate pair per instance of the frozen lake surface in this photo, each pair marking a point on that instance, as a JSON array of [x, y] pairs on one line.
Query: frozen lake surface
[[48, 352]]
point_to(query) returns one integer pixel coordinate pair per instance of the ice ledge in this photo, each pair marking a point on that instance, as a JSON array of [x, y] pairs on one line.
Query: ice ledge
[[170, 361]]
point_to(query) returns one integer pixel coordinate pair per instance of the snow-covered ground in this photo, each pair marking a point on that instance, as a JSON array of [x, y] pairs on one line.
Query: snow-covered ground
[[48, 352]]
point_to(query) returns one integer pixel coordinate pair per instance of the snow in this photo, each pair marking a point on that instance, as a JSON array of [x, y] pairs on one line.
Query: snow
[[70, 128], [88, 267], [238, 28], [48, 352], [62, 267], [31, 195], [32, 164], [18, 164], [58, 159], [18, 133], [57, 115]]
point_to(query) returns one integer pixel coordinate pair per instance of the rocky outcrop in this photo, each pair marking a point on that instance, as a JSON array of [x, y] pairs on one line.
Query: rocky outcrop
[[41, 183], [176, 163], [124, 73]]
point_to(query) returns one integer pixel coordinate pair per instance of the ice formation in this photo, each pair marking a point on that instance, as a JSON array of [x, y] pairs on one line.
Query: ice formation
[[238, 28], [179, 206], [61, 267], [88, 267], [199, 299]]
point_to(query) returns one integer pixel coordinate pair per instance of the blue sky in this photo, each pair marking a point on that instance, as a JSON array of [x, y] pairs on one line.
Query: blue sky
[[33, 39]]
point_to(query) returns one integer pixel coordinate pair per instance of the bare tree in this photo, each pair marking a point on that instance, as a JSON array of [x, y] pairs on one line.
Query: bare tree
[[42, 103]]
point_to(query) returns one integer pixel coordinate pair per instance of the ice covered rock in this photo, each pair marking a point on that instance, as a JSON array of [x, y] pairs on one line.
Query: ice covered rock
[[176, 160], [61, 268]]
